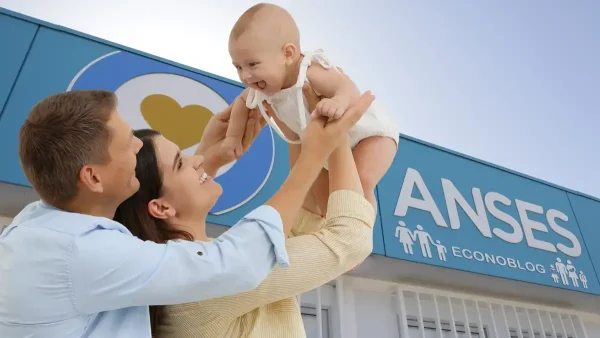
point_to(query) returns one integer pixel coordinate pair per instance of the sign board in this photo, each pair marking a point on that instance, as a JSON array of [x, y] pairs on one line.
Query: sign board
[[446, 210]]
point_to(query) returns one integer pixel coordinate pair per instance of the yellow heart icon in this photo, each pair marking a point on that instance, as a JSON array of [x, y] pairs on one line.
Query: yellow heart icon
[[182, 125]]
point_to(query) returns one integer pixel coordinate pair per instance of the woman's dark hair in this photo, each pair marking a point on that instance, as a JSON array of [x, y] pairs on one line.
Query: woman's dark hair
[[133, 213]]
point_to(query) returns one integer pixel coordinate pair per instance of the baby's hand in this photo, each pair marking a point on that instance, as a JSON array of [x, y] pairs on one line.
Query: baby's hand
[[233, 147], [331, 108]]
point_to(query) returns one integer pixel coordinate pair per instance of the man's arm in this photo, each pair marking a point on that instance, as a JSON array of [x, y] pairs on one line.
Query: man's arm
[[112, 270], [214, 135]]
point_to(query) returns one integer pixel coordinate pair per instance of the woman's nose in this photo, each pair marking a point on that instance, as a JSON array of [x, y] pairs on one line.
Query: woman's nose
[[198, 160]]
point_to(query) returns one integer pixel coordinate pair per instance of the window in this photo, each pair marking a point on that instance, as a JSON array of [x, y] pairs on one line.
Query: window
[[431, 330], [486, 318], [525, 334], [309, 317]]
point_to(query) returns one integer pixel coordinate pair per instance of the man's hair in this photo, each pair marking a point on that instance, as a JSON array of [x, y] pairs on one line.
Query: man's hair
[[61, 134]]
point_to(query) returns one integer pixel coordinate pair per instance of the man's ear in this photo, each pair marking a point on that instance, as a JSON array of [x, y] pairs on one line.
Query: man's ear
[[90, 178], [290, 51], [160, 209]]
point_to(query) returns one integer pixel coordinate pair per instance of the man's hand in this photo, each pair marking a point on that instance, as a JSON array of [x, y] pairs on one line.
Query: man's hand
[[214, 135]]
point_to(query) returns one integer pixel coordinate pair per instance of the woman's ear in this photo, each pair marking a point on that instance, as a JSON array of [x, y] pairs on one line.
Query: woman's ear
[[160, 209]]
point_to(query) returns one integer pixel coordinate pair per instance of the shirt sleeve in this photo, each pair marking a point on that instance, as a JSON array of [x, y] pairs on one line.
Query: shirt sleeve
[[344, 241], [111, 270]]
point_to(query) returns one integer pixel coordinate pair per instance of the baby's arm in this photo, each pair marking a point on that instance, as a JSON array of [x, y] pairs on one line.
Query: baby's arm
[[237, 125], [337, 89]]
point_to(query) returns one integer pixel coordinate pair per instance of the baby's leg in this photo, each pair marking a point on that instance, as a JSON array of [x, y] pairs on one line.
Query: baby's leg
[[373, 157]]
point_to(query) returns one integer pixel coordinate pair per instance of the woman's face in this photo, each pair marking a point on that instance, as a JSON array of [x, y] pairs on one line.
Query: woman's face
[[187, 189]]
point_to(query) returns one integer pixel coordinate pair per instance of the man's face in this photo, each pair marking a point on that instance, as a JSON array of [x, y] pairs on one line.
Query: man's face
[[118, 174]]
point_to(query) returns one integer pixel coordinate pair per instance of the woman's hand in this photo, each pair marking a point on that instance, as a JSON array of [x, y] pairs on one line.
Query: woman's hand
[[322, 136], [214, 134]]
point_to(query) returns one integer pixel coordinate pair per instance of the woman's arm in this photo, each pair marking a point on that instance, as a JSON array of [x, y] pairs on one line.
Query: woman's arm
[[344, 242], [315, 259], [310, 203]]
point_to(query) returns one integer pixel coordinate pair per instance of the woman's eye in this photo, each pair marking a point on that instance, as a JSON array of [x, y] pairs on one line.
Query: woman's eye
[[179, 164]]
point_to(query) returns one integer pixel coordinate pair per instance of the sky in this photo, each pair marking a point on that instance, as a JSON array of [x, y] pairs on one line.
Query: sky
[[514, 83]]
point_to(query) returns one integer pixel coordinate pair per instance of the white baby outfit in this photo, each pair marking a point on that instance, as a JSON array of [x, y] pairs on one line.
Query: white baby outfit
[[290, 107]]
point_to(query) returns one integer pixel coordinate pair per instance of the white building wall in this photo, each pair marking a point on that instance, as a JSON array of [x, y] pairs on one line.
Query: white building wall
[[372, 309]]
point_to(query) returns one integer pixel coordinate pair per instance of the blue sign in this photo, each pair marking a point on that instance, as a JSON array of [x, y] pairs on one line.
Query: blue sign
[[441, 209], [14, 49], [587, 211]]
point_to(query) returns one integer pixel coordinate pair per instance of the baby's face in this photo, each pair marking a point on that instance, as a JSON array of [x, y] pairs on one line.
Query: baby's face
[[260, 65]]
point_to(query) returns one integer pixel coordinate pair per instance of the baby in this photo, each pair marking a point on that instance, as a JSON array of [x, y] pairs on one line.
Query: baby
[[264, 45]]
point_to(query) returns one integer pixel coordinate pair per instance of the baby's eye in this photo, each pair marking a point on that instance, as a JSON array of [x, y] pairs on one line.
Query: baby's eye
[[239, 68], [253, 64]]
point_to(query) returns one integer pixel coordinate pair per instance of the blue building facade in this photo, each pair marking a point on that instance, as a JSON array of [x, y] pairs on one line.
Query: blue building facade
[[436, 207]]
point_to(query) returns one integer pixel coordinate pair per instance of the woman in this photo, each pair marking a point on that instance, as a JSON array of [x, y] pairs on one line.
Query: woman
[[174, 207]]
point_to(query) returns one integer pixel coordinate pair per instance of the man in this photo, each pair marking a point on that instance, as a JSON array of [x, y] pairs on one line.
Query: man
[[68, 270]]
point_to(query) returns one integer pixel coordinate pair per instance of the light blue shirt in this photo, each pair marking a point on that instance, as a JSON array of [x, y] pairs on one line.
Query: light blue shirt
[[71, 275]]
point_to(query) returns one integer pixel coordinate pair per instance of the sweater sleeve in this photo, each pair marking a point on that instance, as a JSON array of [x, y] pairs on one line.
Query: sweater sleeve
[[316, 258]]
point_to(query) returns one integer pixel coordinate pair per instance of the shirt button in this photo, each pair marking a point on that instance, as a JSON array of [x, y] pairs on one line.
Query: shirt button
[[200, 253]]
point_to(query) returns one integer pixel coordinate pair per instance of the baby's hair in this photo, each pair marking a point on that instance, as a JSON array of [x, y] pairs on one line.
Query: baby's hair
[[245, 20], [273, 15]]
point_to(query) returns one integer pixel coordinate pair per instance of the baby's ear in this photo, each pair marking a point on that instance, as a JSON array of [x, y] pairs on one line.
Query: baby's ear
[[290, 51]]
